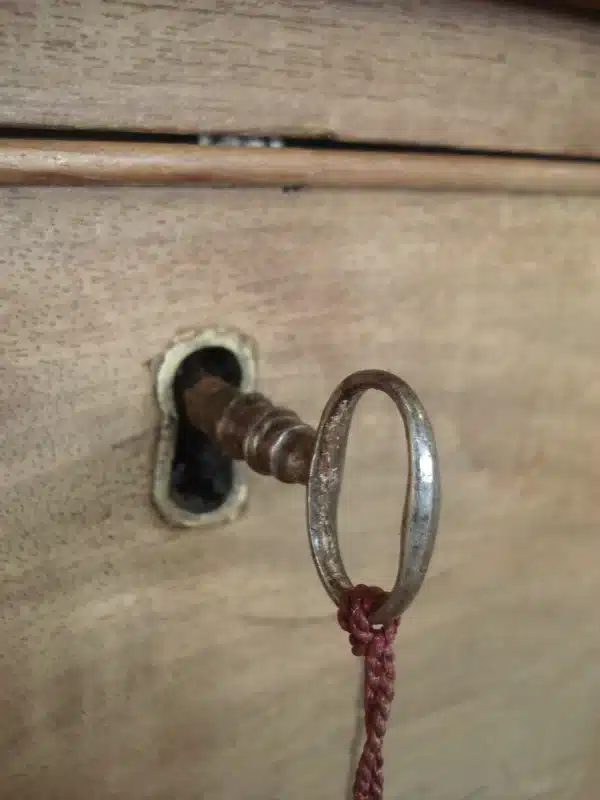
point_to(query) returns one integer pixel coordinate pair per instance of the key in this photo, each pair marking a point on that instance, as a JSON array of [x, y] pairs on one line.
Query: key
[[274, 441]]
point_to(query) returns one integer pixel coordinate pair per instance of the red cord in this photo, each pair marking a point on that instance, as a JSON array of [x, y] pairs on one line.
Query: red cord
[[375, 645]]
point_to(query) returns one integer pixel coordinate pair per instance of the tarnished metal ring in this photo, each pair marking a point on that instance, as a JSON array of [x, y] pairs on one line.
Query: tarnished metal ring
[[422, 500]]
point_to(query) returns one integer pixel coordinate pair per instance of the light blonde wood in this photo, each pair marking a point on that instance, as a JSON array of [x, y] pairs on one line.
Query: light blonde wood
[[140, 661], [55, 162], [476, 74]]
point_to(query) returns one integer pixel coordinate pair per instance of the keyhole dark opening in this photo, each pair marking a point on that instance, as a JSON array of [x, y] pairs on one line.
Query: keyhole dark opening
[[202, 475]]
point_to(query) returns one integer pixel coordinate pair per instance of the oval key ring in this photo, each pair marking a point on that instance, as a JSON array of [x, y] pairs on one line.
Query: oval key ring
[[422, 500]]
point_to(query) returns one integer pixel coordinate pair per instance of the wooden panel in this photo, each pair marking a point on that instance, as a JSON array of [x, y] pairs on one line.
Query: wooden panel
[[55, 162], [492, 75], [140, 661]]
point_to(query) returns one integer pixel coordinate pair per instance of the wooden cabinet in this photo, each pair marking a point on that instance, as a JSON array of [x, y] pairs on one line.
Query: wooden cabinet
[[144, 661], [497, 75]]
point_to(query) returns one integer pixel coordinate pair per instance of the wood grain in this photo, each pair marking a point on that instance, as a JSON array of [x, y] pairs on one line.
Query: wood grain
[[458, 72], [140, 661], [56, 163]]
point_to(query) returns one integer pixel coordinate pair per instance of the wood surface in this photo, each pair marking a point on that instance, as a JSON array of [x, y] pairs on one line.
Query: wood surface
[[56, 163], [457, 72], [141, 661]]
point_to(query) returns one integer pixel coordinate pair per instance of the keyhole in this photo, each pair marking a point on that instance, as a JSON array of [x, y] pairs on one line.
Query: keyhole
[[201, 474], [195, 482]]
